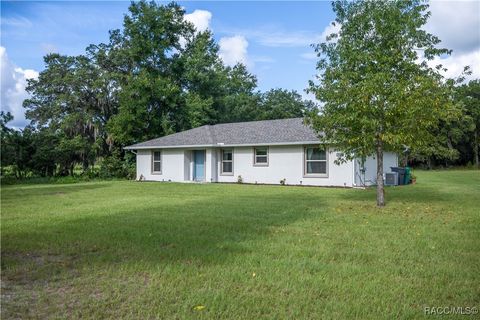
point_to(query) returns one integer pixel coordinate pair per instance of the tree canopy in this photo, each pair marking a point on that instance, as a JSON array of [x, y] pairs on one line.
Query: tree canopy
[[155, 76], [378, 90], [159, 75]]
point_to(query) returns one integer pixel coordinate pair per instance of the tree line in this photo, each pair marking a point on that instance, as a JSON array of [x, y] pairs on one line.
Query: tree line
[[159, 75], [156, 76]]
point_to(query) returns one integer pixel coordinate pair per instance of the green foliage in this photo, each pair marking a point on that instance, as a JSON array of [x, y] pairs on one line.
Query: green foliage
[[156, 76], [469, 96], [376, 93], [7, 150], [176, 81], [283, 104], [70, 101], [114, 166], [455, 140]]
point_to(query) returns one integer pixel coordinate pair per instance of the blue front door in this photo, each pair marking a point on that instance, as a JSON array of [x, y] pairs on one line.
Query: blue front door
[[199, 165]]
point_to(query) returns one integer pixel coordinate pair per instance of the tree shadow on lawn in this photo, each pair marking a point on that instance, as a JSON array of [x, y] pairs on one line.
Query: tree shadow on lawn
[[418, 194], [201, 230], [34, 190]]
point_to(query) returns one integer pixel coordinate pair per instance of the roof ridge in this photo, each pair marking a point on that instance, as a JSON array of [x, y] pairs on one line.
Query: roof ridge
[[290, 130], [252, 121]]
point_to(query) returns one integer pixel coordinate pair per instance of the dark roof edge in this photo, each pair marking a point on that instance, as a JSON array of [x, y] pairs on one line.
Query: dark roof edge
[[223, 145]]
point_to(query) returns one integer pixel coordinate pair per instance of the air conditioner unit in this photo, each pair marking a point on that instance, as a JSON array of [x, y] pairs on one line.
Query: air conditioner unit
[[391, 179]]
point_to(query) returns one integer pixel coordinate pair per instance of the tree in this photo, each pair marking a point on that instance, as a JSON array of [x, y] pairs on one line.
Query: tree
[[156, 76], [7, 152], [240, 100], [283, 104], [147, 55], [377, 95], [71, 99], [170, 76], [469, 96]]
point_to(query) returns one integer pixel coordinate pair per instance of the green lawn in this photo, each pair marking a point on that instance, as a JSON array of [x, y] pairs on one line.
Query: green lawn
[[124, 249]]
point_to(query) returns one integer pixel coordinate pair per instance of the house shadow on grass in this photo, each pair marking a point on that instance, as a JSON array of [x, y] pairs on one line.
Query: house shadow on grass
[[199, 230]]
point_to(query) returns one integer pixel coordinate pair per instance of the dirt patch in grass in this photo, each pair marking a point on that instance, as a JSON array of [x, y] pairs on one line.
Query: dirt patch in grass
[[29, 278]]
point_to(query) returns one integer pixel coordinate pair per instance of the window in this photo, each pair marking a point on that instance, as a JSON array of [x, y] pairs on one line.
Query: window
[[315, 161], [156, 162], [227, 161], [260, 156]]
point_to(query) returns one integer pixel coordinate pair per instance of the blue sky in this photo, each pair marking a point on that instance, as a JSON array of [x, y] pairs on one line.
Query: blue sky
[[271, 37], [35, 28]]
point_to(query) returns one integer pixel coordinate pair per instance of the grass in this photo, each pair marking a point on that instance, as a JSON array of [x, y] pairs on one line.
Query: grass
[[122, 249]]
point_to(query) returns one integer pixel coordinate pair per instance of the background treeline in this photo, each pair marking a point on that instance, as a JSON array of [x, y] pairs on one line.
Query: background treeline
[[457, 137], [156, 76]]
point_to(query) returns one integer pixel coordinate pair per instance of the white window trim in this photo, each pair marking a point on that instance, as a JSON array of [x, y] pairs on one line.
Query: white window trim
[[222, 161], [153, 161], [314, 175], [260, 164]]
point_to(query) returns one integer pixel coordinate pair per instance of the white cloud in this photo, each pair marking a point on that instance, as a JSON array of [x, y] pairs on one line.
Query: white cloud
[[456, 23], [14, 81], [331, 28], [456, 62], [322, 38], [233, 50], [286, 39], [273, 36], [200, 19]]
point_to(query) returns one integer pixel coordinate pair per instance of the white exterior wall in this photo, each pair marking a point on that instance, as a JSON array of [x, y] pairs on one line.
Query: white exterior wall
[[284, 162], [173, 165], [390, 159], [208, 165], [213, 165]]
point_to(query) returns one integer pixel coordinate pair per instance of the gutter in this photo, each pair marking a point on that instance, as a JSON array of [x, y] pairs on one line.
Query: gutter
[[221, 145]]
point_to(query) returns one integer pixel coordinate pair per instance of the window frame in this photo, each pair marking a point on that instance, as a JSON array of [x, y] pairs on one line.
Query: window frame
[[222, 173], [305, 163], [156, 161], [261, 164]]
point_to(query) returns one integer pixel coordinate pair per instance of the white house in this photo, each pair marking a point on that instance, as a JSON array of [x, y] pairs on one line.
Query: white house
[[268, 152]]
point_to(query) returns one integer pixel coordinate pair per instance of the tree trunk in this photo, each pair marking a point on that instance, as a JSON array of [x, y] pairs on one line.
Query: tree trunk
[[380, 187]]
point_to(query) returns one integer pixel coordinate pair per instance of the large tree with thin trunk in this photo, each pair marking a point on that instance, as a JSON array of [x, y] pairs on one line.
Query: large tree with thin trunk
[[378, 90]]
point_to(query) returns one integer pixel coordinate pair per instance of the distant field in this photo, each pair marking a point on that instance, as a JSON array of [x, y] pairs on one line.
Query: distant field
[[122, 249]]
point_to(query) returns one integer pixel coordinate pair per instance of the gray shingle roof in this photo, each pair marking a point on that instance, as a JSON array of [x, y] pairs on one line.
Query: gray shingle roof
[[288, 131]]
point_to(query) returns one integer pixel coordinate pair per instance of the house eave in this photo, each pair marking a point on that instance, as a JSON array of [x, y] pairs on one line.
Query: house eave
[[223, 145]]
